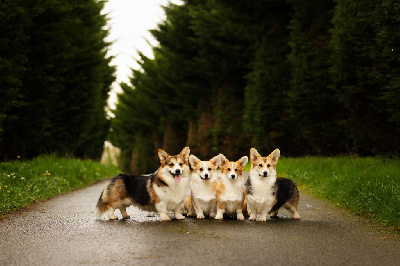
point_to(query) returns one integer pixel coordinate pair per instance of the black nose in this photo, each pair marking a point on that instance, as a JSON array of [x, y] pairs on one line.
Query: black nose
[[233, 176], [206, 175], [177, 171], [265, 173]]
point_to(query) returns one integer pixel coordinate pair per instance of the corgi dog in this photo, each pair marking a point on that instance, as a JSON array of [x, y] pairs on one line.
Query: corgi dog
[[203, 186], [230, 190], [162, 191], [265, 193]]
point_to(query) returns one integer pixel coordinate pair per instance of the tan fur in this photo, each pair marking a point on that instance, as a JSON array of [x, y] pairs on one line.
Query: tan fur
[[166, 189], [230, 190]]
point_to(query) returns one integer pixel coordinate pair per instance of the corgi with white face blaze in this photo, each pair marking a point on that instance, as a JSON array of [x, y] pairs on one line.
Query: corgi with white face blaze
[[230, 190], [265, 193], [203, 199], [163, 191]]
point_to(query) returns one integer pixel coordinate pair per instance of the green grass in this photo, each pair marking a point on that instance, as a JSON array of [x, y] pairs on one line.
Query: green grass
[[25, 182], [366, 186]]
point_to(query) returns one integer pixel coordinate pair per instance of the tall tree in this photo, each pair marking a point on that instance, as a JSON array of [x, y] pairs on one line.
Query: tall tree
[[312, 106], [65, 85], [354, 71]]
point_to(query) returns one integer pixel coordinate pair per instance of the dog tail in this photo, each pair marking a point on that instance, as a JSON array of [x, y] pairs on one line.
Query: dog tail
[[101, 206]]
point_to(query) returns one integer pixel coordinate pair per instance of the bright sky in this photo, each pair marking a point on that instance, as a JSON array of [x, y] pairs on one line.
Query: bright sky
[[130, 22]]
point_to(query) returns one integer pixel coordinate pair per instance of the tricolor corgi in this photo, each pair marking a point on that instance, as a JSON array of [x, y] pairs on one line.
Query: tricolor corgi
[[203, 186], [265, 193], [230, 190], [162, 191]]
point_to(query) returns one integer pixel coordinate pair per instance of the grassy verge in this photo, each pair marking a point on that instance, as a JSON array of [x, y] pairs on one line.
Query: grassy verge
[[25, 182], [366, 186]]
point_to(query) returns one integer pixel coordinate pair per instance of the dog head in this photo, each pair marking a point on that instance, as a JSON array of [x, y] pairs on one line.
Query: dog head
[[264, 166], [205, 170], [174, 165], [233, 170]]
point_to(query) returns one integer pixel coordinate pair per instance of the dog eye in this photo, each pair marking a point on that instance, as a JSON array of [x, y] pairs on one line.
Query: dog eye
[[180, 164], [228, 169], [201, 169], [171, 164], [236, 170], [268, 165], [260, 165], [209, 169]]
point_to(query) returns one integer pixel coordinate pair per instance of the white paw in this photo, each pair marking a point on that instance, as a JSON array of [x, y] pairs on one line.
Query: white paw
[[219, 217], [262, 218], [179, 216], [252, 217], [200, 216], [240, 217], [165, 217]]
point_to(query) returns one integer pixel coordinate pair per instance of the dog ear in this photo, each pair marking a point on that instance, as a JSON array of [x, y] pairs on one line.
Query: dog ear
[[216, 160], [222, 160], [185, 153], [275, 155], [243, 161], [254, 155], [163, 155], [193, 160]]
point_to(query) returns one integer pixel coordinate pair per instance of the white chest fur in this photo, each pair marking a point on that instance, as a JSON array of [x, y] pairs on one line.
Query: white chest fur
[[261, 195], [233, 194], [173, 194]]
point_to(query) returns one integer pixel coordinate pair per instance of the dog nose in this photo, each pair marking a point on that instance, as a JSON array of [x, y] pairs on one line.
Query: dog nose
[[177, 171], [206, 175], [265, 173], [233, 176]]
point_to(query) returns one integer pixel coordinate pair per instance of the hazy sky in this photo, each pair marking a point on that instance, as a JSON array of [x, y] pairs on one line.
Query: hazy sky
[[129, 22]]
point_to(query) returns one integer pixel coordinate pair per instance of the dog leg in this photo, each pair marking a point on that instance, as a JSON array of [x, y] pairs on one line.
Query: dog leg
[[253, 213], [111, 214], [263, 214], [162, 211], [293, 210], [124, 213], [239, 214], [273, 214], [220, 214], [178, 214]]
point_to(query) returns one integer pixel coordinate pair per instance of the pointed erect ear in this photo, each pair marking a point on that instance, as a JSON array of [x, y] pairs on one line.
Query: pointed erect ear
[[275, 155], [243, 161], [254, 155], [193, 160], [222, 160], [185, 153], [162, 155], [216, 160]]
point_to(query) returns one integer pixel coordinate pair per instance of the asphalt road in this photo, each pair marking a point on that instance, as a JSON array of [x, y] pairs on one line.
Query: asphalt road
[[64, 231]]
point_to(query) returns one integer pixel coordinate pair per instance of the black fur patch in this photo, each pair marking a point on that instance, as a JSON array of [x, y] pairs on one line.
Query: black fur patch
[[285, 190], [159, 182], [249, 187], [136, 188]]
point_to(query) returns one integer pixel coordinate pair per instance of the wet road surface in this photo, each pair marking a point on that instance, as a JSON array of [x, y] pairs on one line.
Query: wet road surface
[[64, 231]]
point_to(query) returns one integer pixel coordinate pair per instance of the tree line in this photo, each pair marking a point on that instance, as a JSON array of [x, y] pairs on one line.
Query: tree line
[[316, 77], [55, 76]]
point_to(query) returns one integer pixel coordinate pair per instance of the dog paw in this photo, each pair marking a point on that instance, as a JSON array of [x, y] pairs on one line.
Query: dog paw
[[296, 217], [252, 217], [219, 217], [200, 216], [127, 217], [113, 217], [165, 217], [262, 219], [212, 215], [179, 216], [240, 217]]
